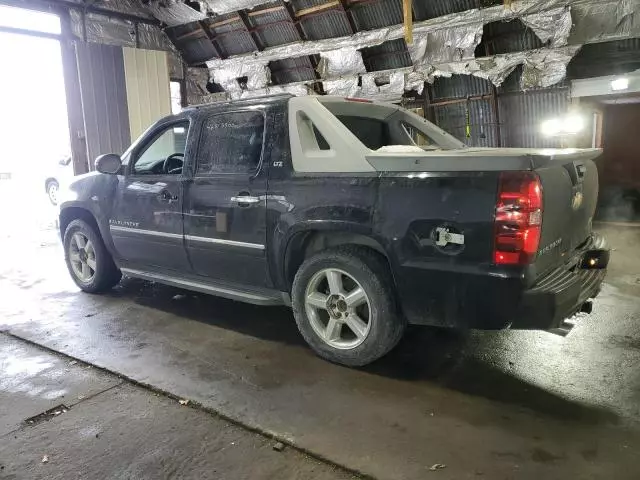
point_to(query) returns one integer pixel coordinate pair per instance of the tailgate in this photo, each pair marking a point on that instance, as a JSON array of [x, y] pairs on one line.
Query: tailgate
[[570, 193]]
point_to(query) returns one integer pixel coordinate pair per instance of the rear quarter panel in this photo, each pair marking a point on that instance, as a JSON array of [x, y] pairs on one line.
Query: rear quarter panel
[[315, 204], [435, 282]]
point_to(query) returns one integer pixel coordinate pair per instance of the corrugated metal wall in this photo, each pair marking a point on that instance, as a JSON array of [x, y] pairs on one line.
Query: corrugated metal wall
[[520, 113], [477, 115], [104, 99], [147, 81], [473, 121]]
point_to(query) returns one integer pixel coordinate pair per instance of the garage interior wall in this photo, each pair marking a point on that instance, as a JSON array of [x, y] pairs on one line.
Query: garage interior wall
[[104, 99], [619, 166], [147, 83]]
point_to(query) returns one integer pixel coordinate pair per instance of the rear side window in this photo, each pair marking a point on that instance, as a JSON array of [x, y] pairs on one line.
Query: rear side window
[[231, 143]]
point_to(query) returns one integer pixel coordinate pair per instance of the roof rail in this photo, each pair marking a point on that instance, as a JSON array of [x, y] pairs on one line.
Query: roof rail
[[241, 100]]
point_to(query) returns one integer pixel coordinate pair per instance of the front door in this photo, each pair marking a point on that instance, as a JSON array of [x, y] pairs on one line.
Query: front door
[[225, 204], [147, 223]]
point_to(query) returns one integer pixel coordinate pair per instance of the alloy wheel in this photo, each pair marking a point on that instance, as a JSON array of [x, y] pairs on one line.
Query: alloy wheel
[[338, 308], [82, 257]]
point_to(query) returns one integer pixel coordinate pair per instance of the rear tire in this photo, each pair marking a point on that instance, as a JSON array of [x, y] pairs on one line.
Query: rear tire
[[345, 307], [88, 260]]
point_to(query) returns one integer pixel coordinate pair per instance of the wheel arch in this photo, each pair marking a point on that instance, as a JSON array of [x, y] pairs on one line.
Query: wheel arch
[[305, 243], [69, 214], [48, 181]]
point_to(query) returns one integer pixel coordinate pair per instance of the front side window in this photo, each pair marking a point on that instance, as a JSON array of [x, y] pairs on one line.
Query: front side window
[[165, 153], [231, 143]]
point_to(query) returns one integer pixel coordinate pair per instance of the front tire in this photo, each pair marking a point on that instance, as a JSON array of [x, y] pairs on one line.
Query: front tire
[[52, 191], [88, 261], [345, 307]]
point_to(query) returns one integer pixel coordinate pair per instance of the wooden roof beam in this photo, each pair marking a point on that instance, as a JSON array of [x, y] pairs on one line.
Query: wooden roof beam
[[211, 38], [242, 15]]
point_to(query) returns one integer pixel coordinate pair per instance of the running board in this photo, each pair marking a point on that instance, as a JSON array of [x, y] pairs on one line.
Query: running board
[[256, 298]]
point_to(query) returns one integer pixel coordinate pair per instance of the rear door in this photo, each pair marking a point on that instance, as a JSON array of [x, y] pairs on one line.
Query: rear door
[[225, 204], [146, 221]]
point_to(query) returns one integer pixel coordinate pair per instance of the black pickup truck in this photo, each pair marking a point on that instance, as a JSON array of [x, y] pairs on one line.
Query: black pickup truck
[[360, 215]]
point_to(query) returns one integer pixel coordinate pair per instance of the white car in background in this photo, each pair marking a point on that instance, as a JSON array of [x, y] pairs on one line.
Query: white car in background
[[60, 173]]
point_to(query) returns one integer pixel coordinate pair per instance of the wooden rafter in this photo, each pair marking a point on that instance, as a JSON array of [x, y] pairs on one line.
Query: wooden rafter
[[292, 16], [408, 21], [303, 37], [345, 8], [225, 22], [317, 8], [211, 38], [194, 33], [242, 15], [255, 13]]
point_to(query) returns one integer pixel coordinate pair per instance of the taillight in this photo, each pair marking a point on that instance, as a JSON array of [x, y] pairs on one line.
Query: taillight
[[518, 218]]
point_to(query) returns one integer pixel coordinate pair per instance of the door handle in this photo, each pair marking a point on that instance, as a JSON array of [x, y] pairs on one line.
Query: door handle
[[245, 200], [167, 196]]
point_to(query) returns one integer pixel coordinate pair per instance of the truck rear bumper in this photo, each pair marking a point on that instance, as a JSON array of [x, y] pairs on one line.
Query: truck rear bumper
[[489, 303], [563, 292], [557, 297]]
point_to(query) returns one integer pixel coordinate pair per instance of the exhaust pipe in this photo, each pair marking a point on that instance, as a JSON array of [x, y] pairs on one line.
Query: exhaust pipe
[[587, 307]]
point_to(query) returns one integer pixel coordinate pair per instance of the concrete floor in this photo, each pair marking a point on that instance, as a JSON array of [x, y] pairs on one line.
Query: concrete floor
[[110, 428], [494, 404]]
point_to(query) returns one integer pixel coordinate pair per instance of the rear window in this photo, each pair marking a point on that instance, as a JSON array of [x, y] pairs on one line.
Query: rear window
[[370, 131], [379, 125]]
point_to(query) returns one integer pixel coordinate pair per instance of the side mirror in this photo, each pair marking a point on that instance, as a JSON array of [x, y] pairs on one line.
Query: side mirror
[[109, 163], [64, 161]]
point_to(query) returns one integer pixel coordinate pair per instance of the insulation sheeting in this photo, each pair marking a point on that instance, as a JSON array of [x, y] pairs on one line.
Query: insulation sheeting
[[541, 68], [344, 87], [544, 69], [552, 26], [343, 61], [383, 87], [544, 66], [152, 38], [605, 21], [197, 79], [174, 12], [226, 6], [258, 77], [297, 90], [130, 7], [443, 46], [466, 20], [446, 45], [97, 28], [103, 29]]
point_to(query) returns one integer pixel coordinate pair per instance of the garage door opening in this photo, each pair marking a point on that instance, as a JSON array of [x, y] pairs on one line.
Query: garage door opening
[[34, 130], [614, 102]]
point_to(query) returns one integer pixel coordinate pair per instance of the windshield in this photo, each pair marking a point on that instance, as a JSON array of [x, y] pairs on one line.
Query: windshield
[[379, 126]]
